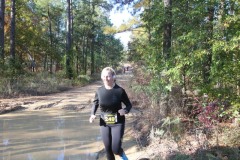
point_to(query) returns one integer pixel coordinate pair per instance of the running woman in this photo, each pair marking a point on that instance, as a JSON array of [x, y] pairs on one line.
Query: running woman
[[109, 98]]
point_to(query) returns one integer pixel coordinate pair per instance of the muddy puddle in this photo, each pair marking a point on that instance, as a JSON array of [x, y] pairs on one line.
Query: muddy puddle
[[48, 135]]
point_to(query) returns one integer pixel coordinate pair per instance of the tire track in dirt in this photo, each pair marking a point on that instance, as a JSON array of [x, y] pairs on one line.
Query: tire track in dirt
[[76, 98]]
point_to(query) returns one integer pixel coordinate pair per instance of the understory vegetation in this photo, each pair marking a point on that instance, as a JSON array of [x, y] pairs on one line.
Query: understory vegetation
[[183, 127], [42, 83]]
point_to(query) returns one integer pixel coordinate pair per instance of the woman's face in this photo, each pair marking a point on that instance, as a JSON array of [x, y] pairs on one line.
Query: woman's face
[[107, 78]]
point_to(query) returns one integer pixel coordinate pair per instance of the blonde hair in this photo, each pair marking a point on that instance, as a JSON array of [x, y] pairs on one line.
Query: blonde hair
[[109, 69]]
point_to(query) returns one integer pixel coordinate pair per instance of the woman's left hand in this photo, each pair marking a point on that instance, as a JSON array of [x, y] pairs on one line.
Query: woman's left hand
[[121, 112]]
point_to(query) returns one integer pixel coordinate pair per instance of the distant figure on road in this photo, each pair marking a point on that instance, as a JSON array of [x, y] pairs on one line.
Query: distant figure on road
[[109, 98], [124, 69], [33, 65]]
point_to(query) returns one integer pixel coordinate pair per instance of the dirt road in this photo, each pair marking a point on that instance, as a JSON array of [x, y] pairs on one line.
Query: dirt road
[[75, 99], [79, 99]]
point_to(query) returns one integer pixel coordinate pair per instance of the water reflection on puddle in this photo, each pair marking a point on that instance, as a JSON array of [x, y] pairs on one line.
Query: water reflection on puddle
[[48, 135]]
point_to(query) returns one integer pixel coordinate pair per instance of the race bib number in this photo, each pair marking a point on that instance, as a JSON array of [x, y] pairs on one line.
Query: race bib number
[[110, 118]]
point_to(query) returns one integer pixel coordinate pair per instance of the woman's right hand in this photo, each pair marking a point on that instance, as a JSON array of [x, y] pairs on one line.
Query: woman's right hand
[[91, 119]]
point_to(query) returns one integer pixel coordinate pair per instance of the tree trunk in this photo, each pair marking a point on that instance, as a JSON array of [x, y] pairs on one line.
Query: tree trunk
[[208, 57], [86, 55], [51, 39], [2, 14], [92, 56], [92, 40], [148, 26], [12, 33], [69, 42], [167, 32]]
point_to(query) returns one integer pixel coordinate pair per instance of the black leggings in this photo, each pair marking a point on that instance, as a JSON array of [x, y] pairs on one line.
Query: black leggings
[[112, 138]]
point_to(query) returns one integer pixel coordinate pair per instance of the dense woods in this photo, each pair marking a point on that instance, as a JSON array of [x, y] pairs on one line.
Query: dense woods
[[57, 35], [185, 53], [190, 47], [187, 65]]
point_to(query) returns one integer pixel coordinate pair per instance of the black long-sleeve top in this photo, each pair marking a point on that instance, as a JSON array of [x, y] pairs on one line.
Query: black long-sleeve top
[[110, 101]]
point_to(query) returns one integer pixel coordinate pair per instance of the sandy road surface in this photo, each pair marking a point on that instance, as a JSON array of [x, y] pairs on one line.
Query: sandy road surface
[[76, 98], [80, 99]]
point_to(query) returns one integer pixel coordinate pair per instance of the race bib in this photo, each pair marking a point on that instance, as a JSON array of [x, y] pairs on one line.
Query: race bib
[[110, 118]]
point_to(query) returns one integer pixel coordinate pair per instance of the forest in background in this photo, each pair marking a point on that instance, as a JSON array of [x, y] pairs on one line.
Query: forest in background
[[56, 35], [52, 37], [185, 56], [192, 48]]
